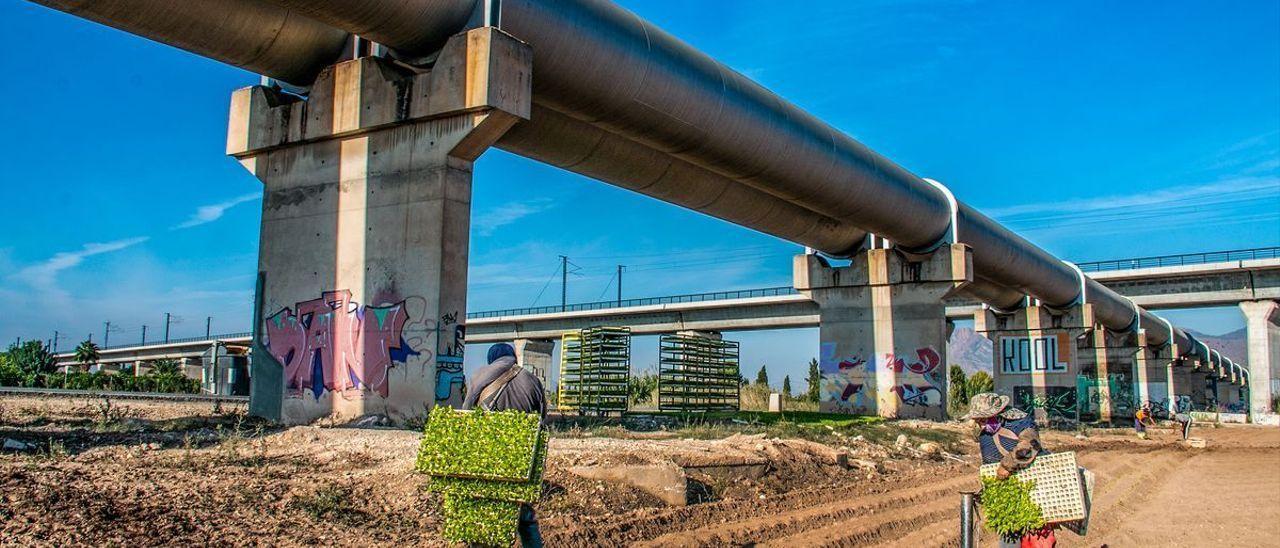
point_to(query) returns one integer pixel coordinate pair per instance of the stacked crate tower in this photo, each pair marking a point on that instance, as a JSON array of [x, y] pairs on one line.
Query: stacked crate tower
[[697, 374], [595, 367]]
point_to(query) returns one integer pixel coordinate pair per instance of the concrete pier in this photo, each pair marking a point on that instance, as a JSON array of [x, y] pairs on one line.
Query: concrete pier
[[1114, 365], [1262, 324], [883, 329], [535, 356], [1152, 369], [365, 222], [1036, 359]]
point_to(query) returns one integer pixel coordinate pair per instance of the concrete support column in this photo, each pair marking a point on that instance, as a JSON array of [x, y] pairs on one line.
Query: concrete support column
[[1262, 324], [535, 356], [1153, 371], [883, 329], [365, 221], [1035, 357], [1188, 386], [1114, 365]]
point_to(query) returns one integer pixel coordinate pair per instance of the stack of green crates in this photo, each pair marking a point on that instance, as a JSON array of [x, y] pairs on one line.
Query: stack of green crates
[[485, 464], [595, 367], [697, 374]]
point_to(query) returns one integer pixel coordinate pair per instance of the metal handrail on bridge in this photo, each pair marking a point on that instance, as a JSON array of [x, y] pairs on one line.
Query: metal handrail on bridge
[[649, 301], [1183, 259], [224, 336]]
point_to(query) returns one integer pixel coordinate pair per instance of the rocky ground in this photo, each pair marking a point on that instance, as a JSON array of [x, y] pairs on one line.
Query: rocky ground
[[82, 472]]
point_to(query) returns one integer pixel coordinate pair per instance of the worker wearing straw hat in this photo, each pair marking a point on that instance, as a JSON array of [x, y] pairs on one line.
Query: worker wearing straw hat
[[1008, 437]]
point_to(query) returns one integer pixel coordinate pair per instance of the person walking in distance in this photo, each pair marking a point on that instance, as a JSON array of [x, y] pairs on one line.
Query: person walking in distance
[[504, 385], [1142, 419], [1184, 422]]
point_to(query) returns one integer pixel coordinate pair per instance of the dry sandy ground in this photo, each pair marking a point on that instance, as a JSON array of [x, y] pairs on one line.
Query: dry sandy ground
[[191, 478]]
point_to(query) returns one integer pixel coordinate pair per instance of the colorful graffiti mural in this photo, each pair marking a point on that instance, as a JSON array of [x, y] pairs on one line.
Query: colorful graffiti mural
[[849, 382], [1058, 401], [333, 343], [450, 381]]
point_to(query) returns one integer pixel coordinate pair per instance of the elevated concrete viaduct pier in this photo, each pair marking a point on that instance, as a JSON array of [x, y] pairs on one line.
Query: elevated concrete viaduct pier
[[365, 221], [1262, 324], [883, 329], [1036, 355], [535, 356]]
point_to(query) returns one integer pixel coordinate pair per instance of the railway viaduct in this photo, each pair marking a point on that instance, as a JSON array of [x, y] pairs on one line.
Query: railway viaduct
[[369, 119]]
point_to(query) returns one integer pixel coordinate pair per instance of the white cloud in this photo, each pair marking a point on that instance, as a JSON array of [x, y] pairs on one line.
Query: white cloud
[[43, 276], [1216, 190], [209, 213], [486, 223]]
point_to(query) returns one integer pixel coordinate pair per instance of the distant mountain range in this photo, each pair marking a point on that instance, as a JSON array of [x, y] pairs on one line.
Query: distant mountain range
[[969, 350], [972, 352]]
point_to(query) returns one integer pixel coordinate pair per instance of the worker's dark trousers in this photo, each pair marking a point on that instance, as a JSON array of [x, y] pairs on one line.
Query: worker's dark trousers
[[530, 535]]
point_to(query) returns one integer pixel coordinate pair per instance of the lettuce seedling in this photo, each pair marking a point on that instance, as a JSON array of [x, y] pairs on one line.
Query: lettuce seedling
[[480, 521], [498, 445], [1008, 506]]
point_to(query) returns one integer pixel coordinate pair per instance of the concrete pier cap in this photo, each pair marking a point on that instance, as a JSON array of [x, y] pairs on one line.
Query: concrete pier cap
[[362, 265]]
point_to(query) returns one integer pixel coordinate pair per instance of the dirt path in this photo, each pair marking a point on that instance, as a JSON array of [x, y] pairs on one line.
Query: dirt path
[[1153, 492]]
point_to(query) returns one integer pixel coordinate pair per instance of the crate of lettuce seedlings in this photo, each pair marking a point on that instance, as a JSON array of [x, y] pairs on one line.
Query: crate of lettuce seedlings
[[1058, 488], [485, 464]]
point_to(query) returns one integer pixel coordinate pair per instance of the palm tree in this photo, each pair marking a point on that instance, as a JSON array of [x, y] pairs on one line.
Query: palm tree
[[86, 353], [166, 368]]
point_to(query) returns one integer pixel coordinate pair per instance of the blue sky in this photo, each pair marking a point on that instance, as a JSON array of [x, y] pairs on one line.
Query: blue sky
[[1097, 129]]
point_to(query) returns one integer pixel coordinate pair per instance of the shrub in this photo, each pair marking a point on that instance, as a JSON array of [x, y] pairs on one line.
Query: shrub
[[978, 383], [32, 357], [957, 391], [640, 388]]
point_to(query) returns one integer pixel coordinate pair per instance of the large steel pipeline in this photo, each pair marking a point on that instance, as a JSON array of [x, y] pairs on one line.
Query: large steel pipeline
[[561, 141], [605, 67], [245, 33]]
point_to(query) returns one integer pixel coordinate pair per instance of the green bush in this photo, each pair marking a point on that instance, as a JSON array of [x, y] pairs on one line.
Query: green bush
[[1008, 506], [10, 375], [31, 357], [82, 380], [480, 521], [978, 383], [496, 445], [641, 388], [957, 392]]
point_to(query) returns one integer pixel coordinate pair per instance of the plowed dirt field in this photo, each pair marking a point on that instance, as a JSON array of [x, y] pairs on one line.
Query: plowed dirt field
[[183, 475]]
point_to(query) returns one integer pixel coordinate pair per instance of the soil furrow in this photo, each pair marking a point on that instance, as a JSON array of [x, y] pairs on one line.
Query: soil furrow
[[780, 525], [860, 532]]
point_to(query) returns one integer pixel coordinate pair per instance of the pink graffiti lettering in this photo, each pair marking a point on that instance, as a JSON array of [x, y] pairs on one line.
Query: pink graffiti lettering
[[916, 395], [929, 360], [849, 390], [851, 363], [333, 343]]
